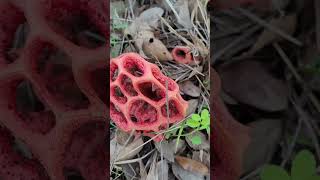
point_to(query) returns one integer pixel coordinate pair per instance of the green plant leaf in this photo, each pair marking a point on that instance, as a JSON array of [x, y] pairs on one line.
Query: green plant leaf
[[193, 123], [315, 177], [196, 140], [205, 114], [208, 130], [272, 172], [303, 165], [205, 122], [196, 117]]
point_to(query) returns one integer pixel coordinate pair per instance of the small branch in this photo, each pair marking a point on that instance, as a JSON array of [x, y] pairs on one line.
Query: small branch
[[286, 59], [267, 25]]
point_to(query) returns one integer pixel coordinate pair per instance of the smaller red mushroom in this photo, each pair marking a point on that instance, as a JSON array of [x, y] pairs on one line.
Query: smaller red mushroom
[[183, 55]]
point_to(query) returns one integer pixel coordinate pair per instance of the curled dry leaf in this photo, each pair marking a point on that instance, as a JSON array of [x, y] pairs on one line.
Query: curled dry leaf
[[192, 106], [266, 136], [249, 83], [202, 156], [151, 16], [122, 137], [181, 145], [154, 48], [286, 24], [188, 88], [165, 149], [120, 153], [183, 174], [183, 14], [192, 165], [163, 170], [141, 30]]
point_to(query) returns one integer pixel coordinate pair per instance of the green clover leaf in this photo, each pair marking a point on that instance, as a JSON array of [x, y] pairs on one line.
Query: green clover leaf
[[273, 172], [303, 165], [193, 123], [196, 140], [196, 117]]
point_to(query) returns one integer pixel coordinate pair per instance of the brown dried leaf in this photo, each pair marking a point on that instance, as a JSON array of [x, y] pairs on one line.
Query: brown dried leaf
[[188, 88], [249, 83], [155, 49], [192, 106], [183, 174], [124, 153], [192, 165], [287, 24]]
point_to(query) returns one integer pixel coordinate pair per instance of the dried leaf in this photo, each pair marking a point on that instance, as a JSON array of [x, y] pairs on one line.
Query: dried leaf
[[124, 153], [249, 83], [202, 156], [181, 145], [122, 137], [153, 172], [184, 16], [183, 174], [163, 170], [188, 88], [155, 49], [192, 106], [266, 136], [192, 165], [166, 149], [151, 16], [287, 24]]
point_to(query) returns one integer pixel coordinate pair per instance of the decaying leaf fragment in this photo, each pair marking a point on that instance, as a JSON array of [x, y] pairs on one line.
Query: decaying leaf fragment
[[286, 24], [141, 30], [192, 165]]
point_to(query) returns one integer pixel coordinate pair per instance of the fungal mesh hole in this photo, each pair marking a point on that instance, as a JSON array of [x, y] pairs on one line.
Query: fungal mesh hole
[[134, 66], [33, 113], [173, 110], [151, 91], [54, 67], [181, 53], [75, 25], [142, 112], [165, 81], [116, 114], [26, 99], [114, 71], [19, 39], [119, 96], [127, 85]]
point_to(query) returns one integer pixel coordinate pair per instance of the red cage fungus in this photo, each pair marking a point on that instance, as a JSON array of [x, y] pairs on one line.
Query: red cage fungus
[[141, 97], [183, 54], [52, 92]]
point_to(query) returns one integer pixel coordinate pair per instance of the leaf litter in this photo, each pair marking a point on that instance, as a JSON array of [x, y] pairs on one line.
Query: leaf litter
[[153, 29]]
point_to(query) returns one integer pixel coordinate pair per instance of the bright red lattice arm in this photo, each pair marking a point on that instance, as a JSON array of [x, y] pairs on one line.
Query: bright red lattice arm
[[52, 92], [140, 95]]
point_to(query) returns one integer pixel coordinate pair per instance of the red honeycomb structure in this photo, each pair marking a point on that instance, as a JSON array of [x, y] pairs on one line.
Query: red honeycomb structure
[[138, 97], [62, 129]]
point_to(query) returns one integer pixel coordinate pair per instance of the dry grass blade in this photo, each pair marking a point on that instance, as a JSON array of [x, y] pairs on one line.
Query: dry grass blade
[[270, 27]]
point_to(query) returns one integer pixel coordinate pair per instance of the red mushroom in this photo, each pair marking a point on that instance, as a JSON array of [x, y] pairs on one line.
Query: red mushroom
[[183, 54], [140, 95]]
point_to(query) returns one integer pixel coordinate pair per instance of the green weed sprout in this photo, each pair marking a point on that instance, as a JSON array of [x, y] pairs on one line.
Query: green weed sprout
[[303, 168]]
